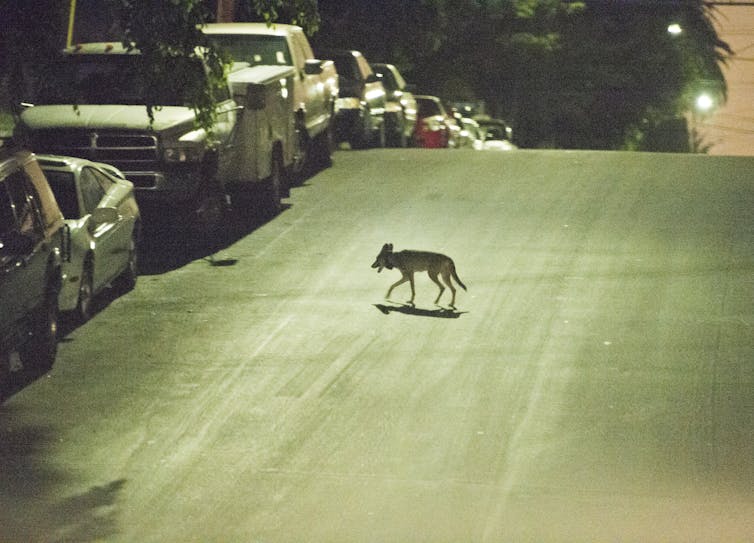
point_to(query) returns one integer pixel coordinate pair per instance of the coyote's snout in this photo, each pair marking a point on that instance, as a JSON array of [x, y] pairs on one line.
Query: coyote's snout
[[409, 262]]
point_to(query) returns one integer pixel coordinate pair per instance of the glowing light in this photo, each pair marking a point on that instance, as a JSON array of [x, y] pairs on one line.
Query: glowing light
[[674, 29], [704, 102]]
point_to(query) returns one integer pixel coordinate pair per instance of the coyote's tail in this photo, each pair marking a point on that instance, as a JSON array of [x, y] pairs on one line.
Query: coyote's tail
[[455, 276]]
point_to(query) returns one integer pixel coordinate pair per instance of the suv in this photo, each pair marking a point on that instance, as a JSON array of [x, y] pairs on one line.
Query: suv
[[32, 247], [400, 110], [360, 107]]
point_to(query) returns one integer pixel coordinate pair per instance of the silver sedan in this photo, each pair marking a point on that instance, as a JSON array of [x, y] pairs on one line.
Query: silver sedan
[[100, 209]]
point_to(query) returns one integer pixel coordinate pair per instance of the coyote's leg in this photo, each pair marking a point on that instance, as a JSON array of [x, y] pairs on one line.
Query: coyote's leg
[[446, 278], [400, 281], [433, 276], [413, 291]]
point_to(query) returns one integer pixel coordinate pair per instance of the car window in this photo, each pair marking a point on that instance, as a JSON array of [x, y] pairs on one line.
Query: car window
[[254, 49], [346, 66], [104, 181], [21, 194], [64, 189], [91, 190], [388, 79], [428, 108]]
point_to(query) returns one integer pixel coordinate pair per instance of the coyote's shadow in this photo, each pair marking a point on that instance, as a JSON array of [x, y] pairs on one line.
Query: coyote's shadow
[[408, 309]]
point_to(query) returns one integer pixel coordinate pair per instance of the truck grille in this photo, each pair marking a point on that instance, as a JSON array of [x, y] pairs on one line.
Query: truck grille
[[135, 154]]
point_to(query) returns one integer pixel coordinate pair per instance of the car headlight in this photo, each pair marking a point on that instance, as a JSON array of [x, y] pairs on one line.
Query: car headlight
[[184, 154]]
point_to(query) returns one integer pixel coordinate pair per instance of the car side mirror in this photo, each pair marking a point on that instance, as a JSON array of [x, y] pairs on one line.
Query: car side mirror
[[104, 215], [313, 66]]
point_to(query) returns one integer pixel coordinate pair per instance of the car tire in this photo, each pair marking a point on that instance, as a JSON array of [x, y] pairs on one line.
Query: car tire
[[127, 279], [378, 136], [39, 351], [395, 130], [273, 188], [85, 303], [324, 145], [300, 154]]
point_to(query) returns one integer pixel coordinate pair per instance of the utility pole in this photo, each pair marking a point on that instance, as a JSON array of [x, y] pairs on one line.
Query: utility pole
[[71, 19], [226, 9]]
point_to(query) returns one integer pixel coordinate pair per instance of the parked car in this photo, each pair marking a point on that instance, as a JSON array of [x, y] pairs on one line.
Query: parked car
[[497, 128], [313, 91], [91, 104], [470, 135], [495, 135], [360, 107], [100, 209], [400, 109], [33, 245], [456, 127], [432, 128]]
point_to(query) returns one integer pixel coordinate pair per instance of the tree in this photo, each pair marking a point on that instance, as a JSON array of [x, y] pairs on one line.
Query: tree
[[623, 78], [166, 32], [601, 74]]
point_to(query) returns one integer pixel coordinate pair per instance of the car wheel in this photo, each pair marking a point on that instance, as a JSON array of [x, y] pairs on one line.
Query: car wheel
[[395, 131], [378, 136], [300, 153], [324, 146], [127, 278], [86, 293], [210, 206], [40, 350], [273, 188]]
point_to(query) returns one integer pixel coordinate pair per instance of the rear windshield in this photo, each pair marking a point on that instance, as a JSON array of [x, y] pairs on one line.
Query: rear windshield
[[254, 49], [428, 108], [105, 79]]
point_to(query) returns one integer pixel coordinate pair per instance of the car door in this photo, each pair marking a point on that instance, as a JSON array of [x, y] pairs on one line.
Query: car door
[[374, 91], [24, 255], [104, 235], [314, 91], [120, 196], [11, 288]]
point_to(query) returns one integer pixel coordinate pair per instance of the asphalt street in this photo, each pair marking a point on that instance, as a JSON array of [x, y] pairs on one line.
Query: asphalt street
[[595, 383]]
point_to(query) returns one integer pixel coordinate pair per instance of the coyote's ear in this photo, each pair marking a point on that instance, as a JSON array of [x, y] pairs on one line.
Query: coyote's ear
[[389, 246]]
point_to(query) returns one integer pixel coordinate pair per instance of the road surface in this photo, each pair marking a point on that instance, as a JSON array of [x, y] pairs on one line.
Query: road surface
[[596, 382]]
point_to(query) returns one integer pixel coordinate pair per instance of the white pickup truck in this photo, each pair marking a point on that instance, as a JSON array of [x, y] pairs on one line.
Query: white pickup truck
[[315, 82], [182, 174]]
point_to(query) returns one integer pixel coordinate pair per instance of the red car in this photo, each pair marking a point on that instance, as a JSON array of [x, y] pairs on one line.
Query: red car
[[432, 128]]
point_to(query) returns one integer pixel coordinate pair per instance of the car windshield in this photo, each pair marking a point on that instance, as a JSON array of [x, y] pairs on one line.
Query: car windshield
[[428, 108], [387, 79], [103, 79], [64, 189], [254, 49], [346, 66], [494, 133]]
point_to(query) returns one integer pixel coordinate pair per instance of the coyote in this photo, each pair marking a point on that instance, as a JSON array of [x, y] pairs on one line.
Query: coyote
[[409, 262]]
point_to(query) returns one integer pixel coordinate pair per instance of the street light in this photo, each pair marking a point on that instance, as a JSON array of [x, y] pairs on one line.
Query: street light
[[704, 102], [674, 29]]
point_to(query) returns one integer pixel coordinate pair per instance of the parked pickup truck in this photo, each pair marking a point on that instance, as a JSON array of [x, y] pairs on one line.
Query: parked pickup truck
[[315, 85], [94, 110]]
